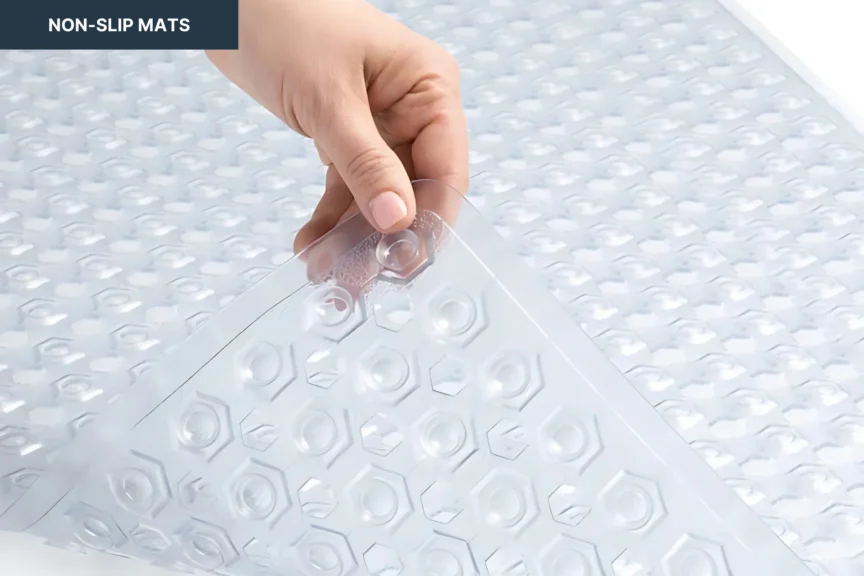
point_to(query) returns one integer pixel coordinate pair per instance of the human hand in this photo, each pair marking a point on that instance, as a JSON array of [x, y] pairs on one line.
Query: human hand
[[381, 103]]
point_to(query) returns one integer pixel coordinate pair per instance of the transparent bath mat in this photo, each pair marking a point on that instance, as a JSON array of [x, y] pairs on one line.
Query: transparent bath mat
[[401, 404]]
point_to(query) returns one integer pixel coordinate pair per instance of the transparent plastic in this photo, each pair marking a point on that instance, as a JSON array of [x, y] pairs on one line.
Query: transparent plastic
[[403, 403], [688, 197]]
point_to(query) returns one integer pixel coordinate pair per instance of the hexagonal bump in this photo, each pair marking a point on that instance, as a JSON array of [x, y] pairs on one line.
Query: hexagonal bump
[[633, 503], [18, 441], [116, 301], [443, 554], [256, 431], [565, 507], [77, 388], [149, 539], [317, 499], [324, 367], [403, 255], [512, 379], [695, 555], [569, 439], [134, 338], [259, 493], [381, 497], [171, 257], [333, 313], [506, 562], [450, 375], [393, 310], [261, 554], [387, 375], [380, 435], [57, 351], [94, 528], [204, 427], [382, 561], [42, 311], [507, 439], [265, 369], [567, 555], [25, 277], [321, 433], [98, 267], [455, 317], [325, 553], [505, 500], [206, 545], [445, 439], [141, 485], [442, 502], [197, 493], [21, 479]]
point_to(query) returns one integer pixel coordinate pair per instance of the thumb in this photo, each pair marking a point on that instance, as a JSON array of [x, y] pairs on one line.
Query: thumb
[[348, 136]]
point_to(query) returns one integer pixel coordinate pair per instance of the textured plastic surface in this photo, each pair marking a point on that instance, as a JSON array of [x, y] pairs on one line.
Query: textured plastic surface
[[400, 404], [694, 204]]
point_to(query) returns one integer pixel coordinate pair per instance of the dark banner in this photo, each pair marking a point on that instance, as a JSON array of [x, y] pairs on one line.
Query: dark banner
[[118, 24]]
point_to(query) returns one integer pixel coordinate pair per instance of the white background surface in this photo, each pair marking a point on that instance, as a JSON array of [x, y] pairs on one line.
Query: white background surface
[[825, 35]]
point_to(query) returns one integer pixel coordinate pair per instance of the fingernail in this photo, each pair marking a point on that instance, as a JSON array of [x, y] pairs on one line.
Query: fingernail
[[388, 209]]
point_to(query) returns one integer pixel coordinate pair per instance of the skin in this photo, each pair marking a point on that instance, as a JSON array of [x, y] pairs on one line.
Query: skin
[[380, 101]]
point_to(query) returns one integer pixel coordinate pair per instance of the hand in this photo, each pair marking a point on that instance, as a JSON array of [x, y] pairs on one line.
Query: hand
[[381, 103]]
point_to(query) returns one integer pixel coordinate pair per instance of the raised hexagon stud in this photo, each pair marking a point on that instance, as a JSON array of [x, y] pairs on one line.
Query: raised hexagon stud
[[403, 255], [512, 379], [94, 528], [325, 553], [393, 310], [453, 316], [506, 562], [565, 506], [257, 432], [260, 553], [264, 369], [317, 499], [42, 312], [259, 493], [321, 433], [441, 502], [324, 367], [381, 497], [566, 555], [694, 555], [17, 440], [450, 375], [445, 438], [382, 561], [77, 388], [633, 503], [140, 485], [505, 501], [570, 439], [507, 439], [442, 554], [387, 375], [380, 435], [206, 545], [149, 539], [204, 427], [58, 351], [333, 313], [197, 493]]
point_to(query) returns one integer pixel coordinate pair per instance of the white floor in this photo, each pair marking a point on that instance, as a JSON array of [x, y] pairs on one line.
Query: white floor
[[825, 35]]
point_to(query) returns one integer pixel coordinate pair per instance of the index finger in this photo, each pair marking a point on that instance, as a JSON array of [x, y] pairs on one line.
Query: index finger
[[440, 150]]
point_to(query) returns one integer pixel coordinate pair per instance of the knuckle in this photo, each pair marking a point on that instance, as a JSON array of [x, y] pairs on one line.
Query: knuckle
[[367, 164]]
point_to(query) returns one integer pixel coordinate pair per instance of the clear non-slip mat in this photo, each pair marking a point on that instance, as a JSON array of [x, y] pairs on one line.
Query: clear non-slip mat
[[693, 204]]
